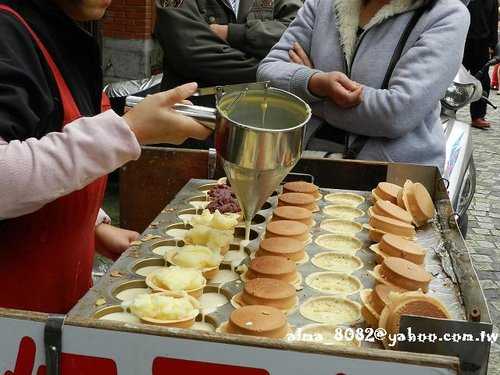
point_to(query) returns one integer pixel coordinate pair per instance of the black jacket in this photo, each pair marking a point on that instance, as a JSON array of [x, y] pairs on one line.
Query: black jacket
[[193, 52], [483, 21], [25, 74]]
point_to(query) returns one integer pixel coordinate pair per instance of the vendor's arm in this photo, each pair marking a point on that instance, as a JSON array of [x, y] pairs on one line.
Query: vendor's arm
[[41, 170]]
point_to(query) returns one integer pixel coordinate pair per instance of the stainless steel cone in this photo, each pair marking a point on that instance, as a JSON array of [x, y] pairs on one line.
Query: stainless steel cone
[[258, 137]]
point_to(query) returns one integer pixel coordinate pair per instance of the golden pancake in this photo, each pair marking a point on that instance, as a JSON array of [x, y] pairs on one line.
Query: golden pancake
[[389, 209], [269, 292], [273, 267], [287, 228], [379, 297], [299, 200], [289, 248], [302, 187], [258, 320], [387, 191], [294, 213], [391, 245], [389, 225], [402, 275], [418, 202], [370, 316], [412, 303]]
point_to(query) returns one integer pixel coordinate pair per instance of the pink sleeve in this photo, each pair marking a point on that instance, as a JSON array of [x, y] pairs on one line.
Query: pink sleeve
[[102, 217], [42, 170]]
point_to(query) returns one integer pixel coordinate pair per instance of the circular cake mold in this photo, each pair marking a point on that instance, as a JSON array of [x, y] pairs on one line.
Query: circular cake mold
[[344, 199], [343, 212]]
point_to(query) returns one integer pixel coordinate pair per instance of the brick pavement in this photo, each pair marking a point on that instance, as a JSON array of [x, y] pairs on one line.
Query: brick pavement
[[483, 237]]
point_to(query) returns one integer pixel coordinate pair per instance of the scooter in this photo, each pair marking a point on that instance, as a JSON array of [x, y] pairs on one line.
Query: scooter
[[460, 170]]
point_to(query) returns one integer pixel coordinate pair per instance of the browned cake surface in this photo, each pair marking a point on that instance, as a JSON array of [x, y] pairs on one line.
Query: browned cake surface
[[295, 213], [281, 245], [258, 320], [418, 307], [405, 274], [397, 246], [379, 297], [388, 191], [389, 225], [300, 187], [286, 228], [389, 209], [272, 265], [269, 289], [297, 199]]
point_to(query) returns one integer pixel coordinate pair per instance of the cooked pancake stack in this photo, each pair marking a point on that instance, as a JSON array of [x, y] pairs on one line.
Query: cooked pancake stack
[[400, 276]]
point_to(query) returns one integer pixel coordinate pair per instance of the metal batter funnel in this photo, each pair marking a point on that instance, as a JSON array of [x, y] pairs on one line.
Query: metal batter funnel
[[258, 137]]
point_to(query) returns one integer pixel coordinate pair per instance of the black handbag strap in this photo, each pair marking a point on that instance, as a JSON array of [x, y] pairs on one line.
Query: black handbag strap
[[352, 151]]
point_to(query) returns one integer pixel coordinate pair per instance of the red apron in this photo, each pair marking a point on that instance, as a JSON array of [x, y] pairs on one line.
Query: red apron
[[46, 257]]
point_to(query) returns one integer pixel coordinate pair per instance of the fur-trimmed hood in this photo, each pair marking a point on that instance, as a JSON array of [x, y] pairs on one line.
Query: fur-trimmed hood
[[347, 14]]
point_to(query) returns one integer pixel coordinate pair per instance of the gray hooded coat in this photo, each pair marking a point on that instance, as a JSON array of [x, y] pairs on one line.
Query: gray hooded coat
[[402, 121]]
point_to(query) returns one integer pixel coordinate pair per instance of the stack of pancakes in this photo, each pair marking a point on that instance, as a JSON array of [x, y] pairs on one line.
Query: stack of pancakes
[[269, 292], [401, 280]]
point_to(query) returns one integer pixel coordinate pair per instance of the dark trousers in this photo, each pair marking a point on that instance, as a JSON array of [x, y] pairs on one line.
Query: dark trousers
[[476, 55]]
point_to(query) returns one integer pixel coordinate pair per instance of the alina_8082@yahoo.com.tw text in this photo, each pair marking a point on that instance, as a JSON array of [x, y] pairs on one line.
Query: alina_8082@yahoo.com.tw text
[[372, 335]]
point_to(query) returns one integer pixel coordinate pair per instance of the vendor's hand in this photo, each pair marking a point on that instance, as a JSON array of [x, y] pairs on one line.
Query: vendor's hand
[[338, 87], [153, 120], [299, 56], [220, 30], [112, 241]]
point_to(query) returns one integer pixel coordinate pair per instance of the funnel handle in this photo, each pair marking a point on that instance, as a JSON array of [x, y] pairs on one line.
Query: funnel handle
[[204, 115], [219, 90]]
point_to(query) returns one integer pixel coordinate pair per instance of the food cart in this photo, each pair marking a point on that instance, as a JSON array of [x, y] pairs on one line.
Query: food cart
[[153, 190]]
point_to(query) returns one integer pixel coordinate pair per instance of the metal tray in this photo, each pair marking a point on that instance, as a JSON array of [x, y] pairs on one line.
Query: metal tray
[[123, 274]]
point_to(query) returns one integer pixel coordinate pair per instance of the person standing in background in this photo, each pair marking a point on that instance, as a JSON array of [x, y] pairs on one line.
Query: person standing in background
[[218, 42], [336, 55], [481, 41]]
